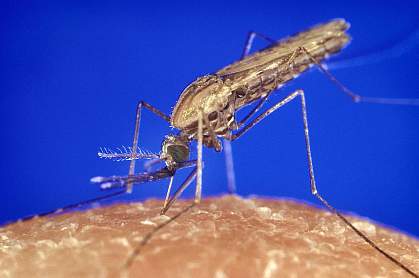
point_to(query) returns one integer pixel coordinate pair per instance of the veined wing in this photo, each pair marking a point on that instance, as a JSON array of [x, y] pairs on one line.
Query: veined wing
[[313, 40]]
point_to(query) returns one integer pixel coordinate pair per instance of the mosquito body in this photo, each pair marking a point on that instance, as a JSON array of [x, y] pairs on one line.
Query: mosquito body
[[216, 98]]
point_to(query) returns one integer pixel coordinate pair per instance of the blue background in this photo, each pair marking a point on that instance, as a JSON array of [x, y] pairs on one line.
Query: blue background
[[71, 75]]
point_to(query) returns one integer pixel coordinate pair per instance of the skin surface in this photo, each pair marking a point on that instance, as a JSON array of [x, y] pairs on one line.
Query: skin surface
[[225, 236]]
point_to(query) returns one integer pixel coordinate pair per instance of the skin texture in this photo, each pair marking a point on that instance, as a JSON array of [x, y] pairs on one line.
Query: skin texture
[[225, 236]]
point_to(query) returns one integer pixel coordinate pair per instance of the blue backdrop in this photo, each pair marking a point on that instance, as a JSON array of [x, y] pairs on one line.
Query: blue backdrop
[[71, 75]]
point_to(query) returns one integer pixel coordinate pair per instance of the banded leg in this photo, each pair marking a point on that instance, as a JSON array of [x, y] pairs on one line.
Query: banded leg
[[166, 200], [231, 179], [198, 189], [249, 42], [254, 110], [160, 226], [197, 172], [114, 182], [247, 47], [214, 139], [69, 207], [263, 100], [136, 131], [231, 176], [179, 191], [355, 97], [228, 152], [304, 113], [311, 169]]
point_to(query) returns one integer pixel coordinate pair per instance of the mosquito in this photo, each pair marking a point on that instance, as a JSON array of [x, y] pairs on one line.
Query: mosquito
[[206, 113], [206, 110]]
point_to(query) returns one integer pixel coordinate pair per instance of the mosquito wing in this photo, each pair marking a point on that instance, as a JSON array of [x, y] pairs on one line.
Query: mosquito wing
[[321, 39]]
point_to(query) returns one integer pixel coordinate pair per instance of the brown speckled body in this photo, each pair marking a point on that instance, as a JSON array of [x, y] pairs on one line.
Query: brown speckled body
[[223, 93]]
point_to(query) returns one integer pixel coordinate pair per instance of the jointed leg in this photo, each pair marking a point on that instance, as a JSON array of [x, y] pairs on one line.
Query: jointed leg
[[147, 238], [215, 141], [136, 131], [179, 191], [253, 111], [311, 169], [231, 177], [265, 98], [305, 122], [196, 172], [71, 206], [166, 200], [198, 190], [265, 114], [249, 42], [228, 153], [231, 181], [355, 97]]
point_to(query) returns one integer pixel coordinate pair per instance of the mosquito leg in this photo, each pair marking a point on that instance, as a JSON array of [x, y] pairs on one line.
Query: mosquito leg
[[197, 172], [147, 238], [179, 191], [156, 111], [249, 42], [231, 176], [198, 190], [231, 180], [311, 169], [73, 206], [264, 114], [215, 141], [166, 200], [355, 97], [228, 153], [106, 183], [254, 110], [265, 98]]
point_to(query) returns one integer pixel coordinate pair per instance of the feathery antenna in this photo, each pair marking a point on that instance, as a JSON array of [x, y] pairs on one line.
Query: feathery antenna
[[125, 153]]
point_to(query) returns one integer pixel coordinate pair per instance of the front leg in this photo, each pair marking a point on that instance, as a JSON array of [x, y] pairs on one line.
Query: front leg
[[355, 97], [198, 190], [157, 112]]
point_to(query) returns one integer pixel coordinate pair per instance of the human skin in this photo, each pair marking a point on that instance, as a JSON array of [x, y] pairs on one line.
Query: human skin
[[226, 236]]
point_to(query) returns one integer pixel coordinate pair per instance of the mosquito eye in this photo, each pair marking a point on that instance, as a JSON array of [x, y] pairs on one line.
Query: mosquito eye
[[179, 153]]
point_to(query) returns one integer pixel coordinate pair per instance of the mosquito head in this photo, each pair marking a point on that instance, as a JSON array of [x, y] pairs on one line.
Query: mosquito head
[[175, 149]]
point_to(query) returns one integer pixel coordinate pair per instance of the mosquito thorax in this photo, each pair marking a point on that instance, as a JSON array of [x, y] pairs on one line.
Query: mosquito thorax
[[175, 149], [204, 93]]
